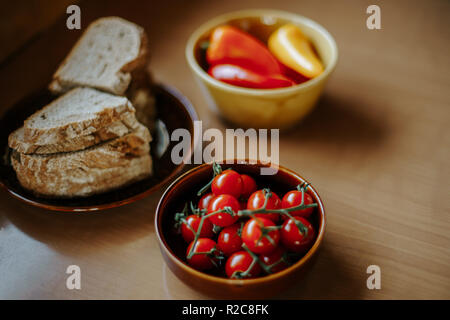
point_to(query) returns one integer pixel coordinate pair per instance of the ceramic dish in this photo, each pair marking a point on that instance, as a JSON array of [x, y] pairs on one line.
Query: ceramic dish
[[173, 247], [263, 108], [173, 111]]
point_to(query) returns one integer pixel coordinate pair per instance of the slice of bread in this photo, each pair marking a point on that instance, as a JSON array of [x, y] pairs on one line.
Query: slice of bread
[[79, 112], [94, 170], [116, 129], [104, 57]]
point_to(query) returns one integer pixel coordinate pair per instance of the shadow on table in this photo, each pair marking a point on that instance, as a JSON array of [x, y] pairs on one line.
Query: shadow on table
[[329, 278], [82, 233], [339, 120], [2, 221], [336, 121]]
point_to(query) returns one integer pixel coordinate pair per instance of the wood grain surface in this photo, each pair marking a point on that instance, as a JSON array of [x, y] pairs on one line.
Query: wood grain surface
[[377, 148], [22, 20]]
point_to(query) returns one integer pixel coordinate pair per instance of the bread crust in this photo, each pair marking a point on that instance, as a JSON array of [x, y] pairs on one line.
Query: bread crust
[[82, 173], [72, 130], [116, 129], [76, 183], [60, 85]]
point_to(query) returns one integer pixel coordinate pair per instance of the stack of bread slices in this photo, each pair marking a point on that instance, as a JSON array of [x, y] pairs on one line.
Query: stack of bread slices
[[88, 140]]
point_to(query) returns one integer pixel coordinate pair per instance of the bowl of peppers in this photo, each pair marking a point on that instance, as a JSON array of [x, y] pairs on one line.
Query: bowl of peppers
[[262, 68]]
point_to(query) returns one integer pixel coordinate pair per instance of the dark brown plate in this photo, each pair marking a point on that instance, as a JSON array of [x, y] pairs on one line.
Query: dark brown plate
[[173, 110]]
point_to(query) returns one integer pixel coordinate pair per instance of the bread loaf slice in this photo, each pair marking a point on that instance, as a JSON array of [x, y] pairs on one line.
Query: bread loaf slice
[[78, 113], [94, 170], [103, 58], [17, 142]]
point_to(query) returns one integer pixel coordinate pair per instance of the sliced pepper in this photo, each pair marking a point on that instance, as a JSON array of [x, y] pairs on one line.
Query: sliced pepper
[[292, 48], [243, 77], [293, 75], [229, 45]]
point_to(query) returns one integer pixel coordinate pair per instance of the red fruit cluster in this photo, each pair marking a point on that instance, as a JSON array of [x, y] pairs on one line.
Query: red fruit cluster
[[245, 230]]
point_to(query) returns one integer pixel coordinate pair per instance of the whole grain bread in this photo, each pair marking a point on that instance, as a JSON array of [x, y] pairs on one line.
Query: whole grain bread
[[82, 173], [116, 129], [104, 57], [78, 113], [88, 140]]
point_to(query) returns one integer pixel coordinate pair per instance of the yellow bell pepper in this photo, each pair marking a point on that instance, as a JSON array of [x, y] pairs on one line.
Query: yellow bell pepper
[[292, 48]]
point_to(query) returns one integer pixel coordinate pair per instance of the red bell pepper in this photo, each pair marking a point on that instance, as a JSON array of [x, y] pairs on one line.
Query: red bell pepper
[[243, 77], [229, 45], [292, 74]]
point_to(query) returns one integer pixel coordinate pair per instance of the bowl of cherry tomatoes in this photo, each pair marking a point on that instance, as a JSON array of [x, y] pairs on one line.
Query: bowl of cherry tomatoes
[[262, 68], [228, 231]]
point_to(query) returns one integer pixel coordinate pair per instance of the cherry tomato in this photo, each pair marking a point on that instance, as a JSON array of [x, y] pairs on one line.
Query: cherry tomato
[[293, 199], [275, 256], [240, 262], [229, 240], [252, 235], [293, 239], [223, 219], [228, 182], [202, 260], [193, 222], [243, 205], [204, 201], [249, 185], [257, 200]]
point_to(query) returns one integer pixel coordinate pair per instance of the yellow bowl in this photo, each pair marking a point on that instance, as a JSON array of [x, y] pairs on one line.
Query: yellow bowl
[[263, 108]]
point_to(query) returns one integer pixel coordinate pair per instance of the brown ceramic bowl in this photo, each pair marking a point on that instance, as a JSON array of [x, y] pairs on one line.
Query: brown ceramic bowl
[[173, 246], [172, 109]]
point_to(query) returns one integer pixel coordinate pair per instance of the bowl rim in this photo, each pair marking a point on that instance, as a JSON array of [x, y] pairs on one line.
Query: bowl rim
[[190, 110], [292, 17], [238, 282]]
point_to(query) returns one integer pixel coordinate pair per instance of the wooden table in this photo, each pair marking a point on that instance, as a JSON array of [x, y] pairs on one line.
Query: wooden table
[[377, 148]]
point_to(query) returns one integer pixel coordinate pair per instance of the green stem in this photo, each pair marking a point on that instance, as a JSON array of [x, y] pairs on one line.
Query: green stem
[[247, 212], [242, 274], [282, 260], [302, 228], [217, 169], [204, 188], [200, 226], [211, 255], [256, 258]]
